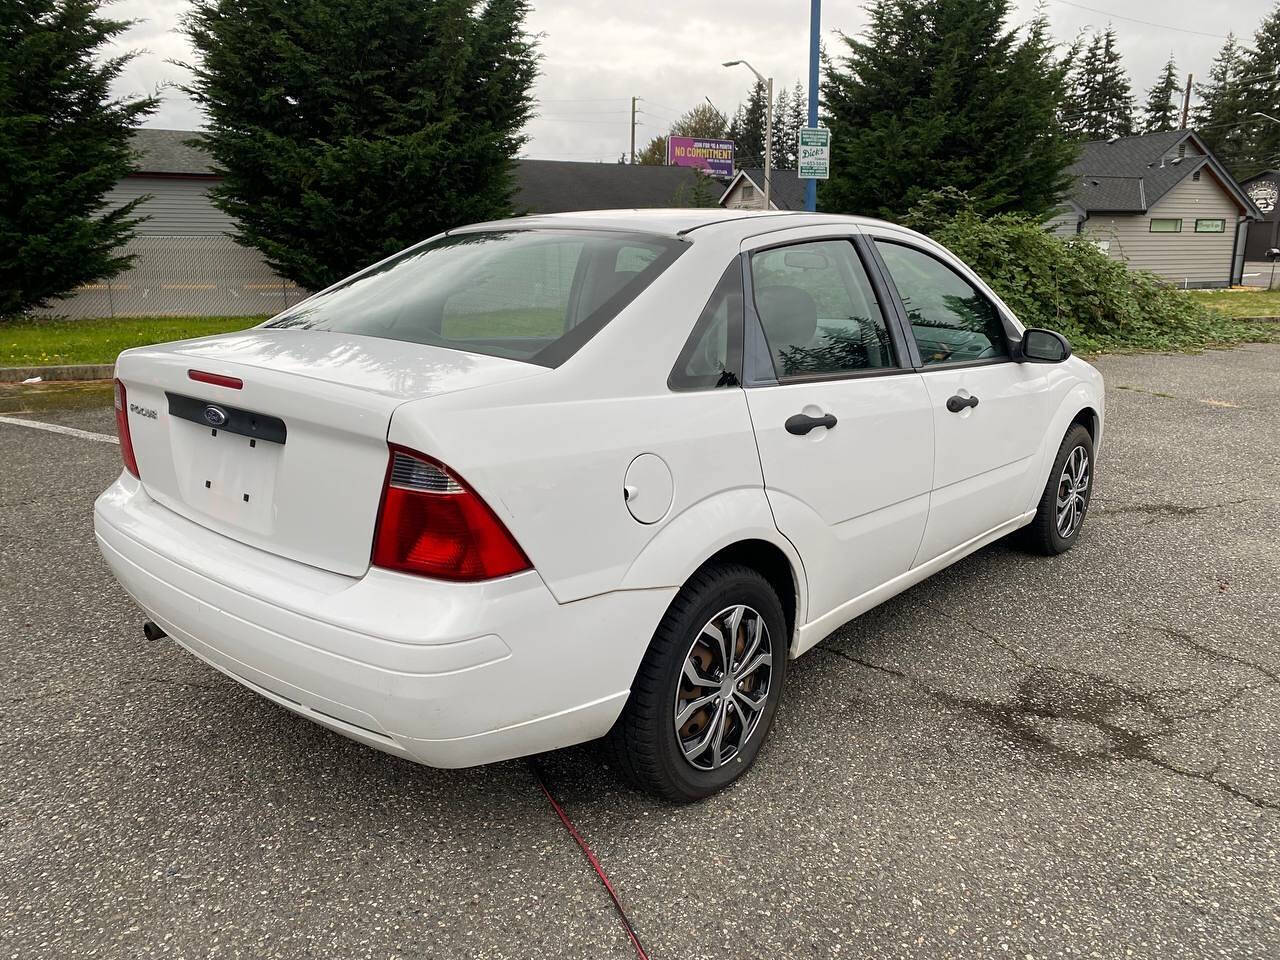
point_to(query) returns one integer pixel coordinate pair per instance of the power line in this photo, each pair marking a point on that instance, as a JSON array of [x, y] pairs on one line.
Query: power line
[[1145, 23]]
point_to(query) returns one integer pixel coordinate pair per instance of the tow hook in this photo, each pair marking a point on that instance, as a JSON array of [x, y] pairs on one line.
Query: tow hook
[[152, 631]]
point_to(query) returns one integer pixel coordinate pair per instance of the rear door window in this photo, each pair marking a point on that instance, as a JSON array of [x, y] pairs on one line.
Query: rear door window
[[534, 295], [818, 310]]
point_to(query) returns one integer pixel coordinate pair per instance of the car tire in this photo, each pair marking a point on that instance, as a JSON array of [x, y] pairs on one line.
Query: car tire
[[647, 744], [1048, 533]]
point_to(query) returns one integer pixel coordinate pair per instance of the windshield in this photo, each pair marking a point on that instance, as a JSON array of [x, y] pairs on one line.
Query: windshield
[[535, 295]]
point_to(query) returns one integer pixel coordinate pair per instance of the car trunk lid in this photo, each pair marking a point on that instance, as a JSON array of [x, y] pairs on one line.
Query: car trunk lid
[[294, 459]]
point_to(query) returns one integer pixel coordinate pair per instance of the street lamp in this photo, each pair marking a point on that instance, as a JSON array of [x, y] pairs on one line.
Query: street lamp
[[768, 124], [1264, 116]]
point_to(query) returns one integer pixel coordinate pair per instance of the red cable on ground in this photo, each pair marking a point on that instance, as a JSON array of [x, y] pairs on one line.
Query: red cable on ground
[[591, 857]]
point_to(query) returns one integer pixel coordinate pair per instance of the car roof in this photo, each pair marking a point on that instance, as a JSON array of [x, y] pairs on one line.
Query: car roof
[[674, 222]]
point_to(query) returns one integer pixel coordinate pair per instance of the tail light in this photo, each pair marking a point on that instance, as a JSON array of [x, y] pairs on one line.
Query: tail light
[[433, 524], [122, 431]]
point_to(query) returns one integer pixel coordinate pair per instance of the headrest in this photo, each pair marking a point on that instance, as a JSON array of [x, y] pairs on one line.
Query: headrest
[[789, 315]]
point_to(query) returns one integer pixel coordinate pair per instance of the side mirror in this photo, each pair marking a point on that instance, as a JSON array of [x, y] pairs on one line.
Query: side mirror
[[1044, 346]]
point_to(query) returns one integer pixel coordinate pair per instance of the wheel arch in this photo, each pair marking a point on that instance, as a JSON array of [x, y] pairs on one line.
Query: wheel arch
[[734, 526]]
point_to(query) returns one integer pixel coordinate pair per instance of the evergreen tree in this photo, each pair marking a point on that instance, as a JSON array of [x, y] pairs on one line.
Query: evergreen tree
[[1072, 112], [943, 93], [1163, 110], [799, 120], [703, 120], [1105, 97], [64, 142], [1221, 115], [747, 128], [782, 116], [1262, 95], [349, 129]]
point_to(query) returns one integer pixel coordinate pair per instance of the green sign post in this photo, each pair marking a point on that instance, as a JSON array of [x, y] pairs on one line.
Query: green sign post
[[815, 153]]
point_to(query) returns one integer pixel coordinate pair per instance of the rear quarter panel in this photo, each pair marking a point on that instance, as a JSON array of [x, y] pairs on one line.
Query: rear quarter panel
[[549, 454]]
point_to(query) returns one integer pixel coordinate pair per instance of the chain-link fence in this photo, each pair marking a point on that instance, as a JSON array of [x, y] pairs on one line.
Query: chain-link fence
[[185, 276]]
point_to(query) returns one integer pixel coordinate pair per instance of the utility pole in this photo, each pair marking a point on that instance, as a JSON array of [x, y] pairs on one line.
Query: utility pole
[[1186, 102], [633, 129], [815, 32]]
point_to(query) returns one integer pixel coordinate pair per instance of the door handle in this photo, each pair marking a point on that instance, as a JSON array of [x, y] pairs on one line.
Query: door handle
[[799, 424], [958, 403]]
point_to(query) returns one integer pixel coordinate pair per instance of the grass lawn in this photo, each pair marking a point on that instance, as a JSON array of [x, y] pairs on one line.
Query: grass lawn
[[41, 342], [1241, 303]]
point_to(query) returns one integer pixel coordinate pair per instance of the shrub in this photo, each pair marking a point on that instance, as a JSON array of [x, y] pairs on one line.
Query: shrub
[[1073, 287]]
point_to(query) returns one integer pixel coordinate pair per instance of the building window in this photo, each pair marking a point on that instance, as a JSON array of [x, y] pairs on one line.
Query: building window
[[1211, 226], [748, 192], [1182, 150], [1165, 225], [1196, 175]]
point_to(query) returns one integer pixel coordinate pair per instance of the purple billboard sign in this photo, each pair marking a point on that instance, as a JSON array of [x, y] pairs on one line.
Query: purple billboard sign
[[710, 156]]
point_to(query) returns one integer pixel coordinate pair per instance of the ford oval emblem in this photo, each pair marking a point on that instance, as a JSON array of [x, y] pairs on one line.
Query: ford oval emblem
[[215, 416]]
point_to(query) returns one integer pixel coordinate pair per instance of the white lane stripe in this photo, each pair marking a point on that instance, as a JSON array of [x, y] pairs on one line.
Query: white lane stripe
[[59, 428]]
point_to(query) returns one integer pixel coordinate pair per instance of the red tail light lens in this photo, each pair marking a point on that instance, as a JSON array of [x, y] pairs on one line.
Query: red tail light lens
[[433, 524], [122, 431]]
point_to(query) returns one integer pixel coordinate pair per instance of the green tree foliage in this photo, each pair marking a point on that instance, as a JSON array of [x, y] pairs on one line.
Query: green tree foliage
[[64, 142], [1163, 109], [349, 129], [746, 129], [790, 116], [943, 93], [703, 120], [1221, 116], [1262, 94], [1073, 287], [1099, 91]]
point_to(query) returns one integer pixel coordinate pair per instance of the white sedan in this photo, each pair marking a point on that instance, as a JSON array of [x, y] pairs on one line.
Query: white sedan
[[534, 482]]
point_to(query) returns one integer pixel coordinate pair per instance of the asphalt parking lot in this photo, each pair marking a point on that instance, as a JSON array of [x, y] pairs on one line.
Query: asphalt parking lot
[[1021, 757]]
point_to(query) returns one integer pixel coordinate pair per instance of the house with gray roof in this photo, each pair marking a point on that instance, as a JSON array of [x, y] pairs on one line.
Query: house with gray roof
[[746, 190], [187, 263], [1160, 202]]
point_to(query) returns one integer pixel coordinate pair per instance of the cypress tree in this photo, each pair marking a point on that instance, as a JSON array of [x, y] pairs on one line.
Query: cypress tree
[[64, 142], [349, 129], [942, 93], [1163, 110]]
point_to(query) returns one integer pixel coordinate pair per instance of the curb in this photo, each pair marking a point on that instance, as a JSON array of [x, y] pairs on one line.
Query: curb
[[74, 371]]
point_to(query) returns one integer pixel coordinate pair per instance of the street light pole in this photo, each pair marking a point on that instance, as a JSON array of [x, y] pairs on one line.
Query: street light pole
[[815, 31], [768, 126]]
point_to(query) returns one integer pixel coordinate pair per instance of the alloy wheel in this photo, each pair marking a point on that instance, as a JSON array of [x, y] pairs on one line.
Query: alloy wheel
[[724, 687], [1073, 492]]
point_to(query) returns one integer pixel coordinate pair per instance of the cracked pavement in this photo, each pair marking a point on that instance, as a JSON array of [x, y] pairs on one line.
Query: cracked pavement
[[1025, 757]]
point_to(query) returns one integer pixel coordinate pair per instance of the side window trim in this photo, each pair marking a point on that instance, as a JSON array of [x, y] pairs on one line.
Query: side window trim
[[757, 361], [895, 311], [1012, 337]]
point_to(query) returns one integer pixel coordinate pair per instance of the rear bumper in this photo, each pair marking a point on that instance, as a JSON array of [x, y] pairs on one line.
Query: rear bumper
[[445, 674]]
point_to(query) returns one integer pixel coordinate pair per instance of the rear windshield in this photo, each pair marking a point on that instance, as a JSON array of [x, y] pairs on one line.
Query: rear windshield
[[535, 295]]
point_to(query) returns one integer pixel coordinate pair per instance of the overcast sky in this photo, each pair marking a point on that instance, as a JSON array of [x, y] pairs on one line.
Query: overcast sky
[[598, 53]]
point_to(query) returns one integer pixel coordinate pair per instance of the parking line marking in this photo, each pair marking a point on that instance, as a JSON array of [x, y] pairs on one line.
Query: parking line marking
[[59, 428]]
